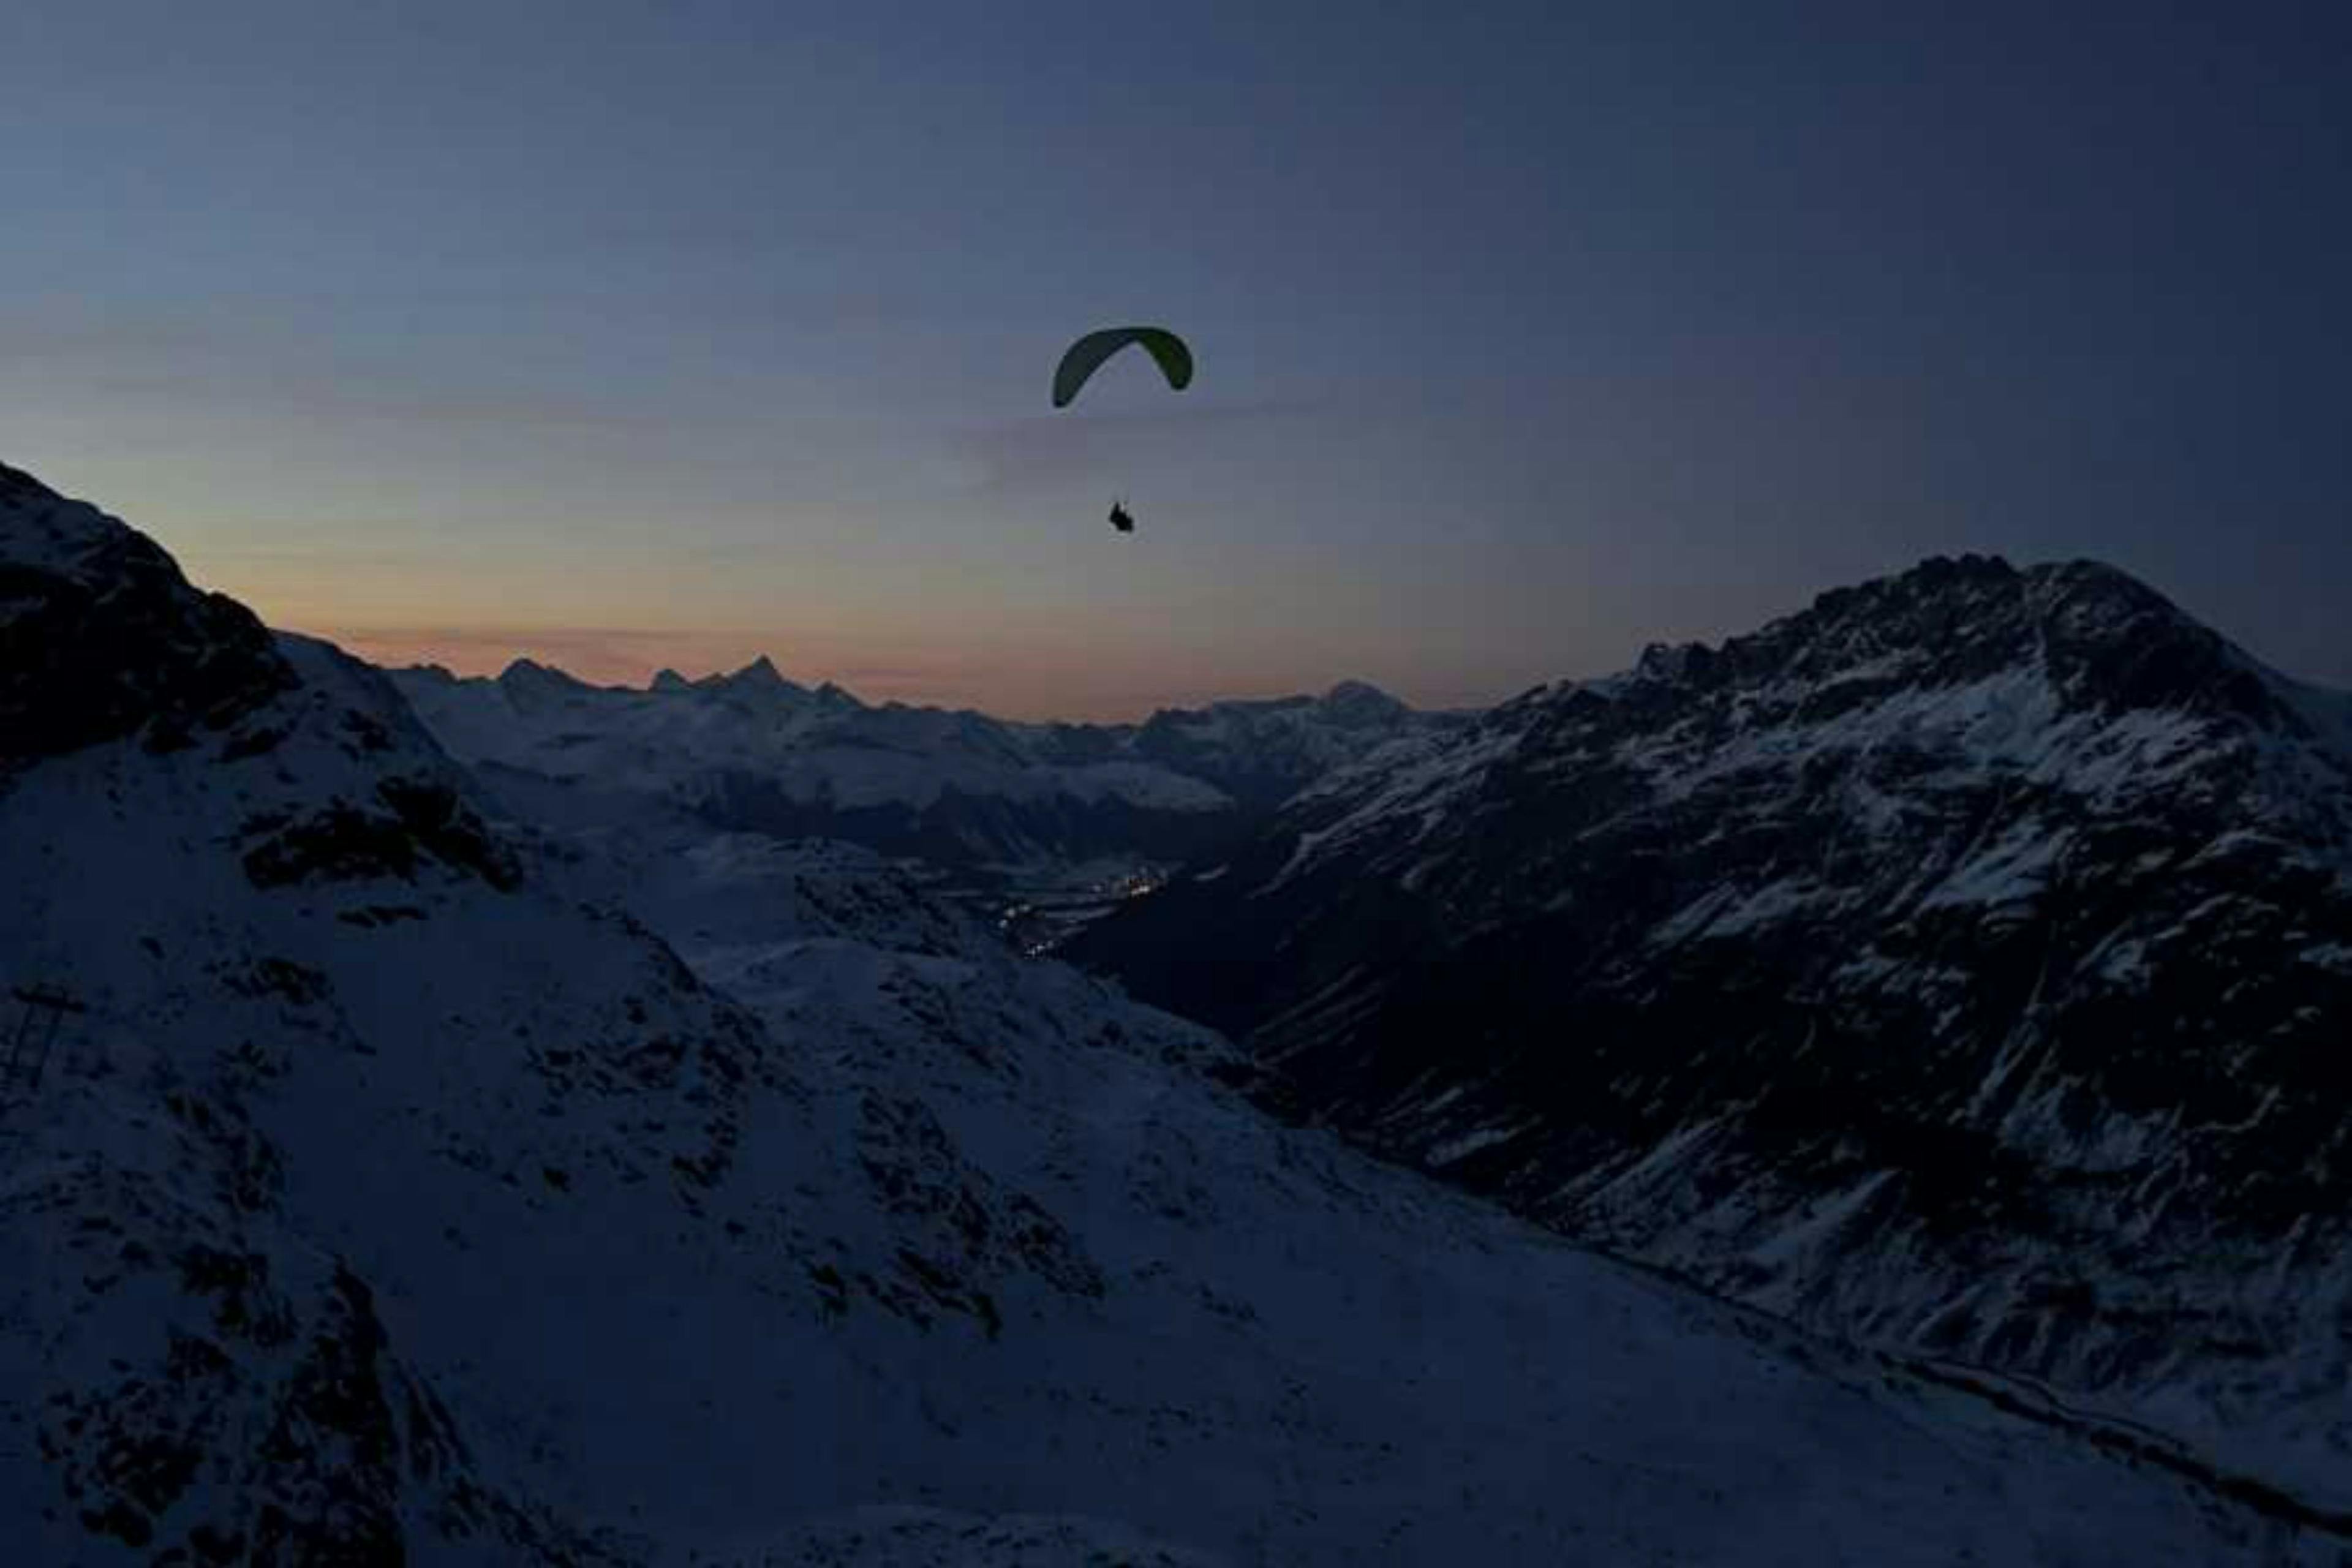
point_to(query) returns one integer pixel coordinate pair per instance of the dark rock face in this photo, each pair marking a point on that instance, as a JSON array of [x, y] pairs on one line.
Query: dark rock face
[[101, 638], [970, 1230], [1963, 963], [421, 823]]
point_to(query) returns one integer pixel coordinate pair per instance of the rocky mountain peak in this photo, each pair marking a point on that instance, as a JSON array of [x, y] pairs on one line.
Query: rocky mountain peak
[[760, 674], [100, 635], [759, 684], [1360, 702], [529, 672], [2103, 642], [531, 685]]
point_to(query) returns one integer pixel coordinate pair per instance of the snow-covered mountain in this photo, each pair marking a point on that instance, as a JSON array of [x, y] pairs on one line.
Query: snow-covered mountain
[[398, 1198], [1963, 964], [1263, 753], [754, 752]]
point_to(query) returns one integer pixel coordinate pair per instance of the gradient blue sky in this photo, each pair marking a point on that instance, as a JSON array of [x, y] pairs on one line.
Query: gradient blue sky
[[625, 334]]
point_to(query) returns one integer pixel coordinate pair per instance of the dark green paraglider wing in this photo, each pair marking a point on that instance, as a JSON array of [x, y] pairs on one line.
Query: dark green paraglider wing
[[1085, 356]]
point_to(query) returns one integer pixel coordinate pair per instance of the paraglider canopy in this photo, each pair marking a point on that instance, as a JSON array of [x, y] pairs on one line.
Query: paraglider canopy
[[1085, 356]]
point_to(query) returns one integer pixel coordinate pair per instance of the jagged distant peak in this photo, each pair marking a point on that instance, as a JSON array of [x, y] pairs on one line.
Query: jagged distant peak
[[1358, 703], [670, 681], [1349, 701], [528, 681], [1354, 690], [760, 671], [759, 680], [531, 669]]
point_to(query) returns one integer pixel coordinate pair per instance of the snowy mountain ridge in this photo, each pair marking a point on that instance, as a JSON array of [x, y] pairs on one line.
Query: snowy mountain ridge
[[1850, 676]]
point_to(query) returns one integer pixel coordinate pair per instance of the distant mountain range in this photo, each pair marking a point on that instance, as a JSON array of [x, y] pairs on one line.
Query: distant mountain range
[[755, 752], [1963, 964]]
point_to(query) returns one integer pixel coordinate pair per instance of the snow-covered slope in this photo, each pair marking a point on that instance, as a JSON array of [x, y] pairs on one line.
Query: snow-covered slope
[[1964, 964], [752, 751], [1263, 753], [398, 1198]]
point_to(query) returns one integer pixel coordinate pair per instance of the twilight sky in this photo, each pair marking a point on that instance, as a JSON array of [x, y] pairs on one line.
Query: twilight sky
[[632, 334]]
